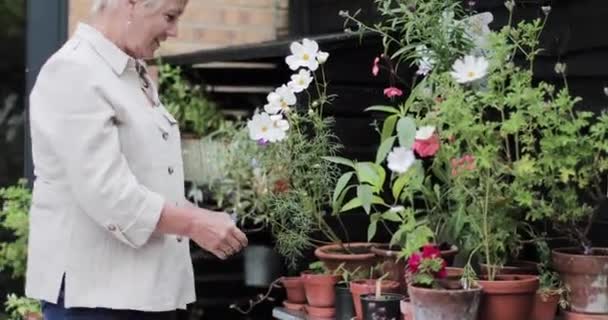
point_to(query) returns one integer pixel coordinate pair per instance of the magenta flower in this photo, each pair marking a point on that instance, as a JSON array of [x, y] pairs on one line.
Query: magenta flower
[[428, 147], [414, 262], [392, 92], [376, 67]]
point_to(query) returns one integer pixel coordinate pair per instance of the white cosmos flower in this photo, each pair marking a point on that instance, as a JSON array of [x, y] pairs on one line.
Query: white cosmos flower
[[400, 159], [279, 122], [478, 29], [469, 68], [303, 55], [280, 100], [300, 81], [425, 133], [263, 127], [322, 57]]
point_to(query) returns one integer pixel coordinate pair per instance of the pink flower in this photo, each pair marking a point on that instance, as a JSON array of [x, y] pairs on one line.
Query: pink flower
[[443, 272], [430, 251], [414, 262], [375, 67], [428, 147], [392, 92]]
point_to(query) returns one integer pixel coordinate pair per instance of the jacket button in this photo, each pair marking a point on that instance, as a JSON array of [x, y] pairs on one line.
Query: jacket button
[[170, 170], [111, 227], [165, 135]]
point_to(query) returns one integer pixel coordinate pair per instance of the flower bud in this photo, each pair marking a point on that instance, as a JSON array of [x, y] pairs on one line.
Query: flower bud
[[510, 4], [546, 10], [606, 91], [343, 13], [560, 68], [315, 103]]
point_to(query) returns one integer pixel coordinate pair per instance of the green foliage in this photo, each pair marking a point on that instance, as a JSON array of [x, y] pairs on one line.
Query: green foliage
[[14, 218], [19, 308], [195, 113], [317, 267], [286, 185]]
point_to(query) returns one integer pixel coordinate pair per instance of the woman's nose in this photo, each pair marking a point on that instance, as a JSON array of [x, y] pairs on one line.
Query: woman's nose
[[172, 31]]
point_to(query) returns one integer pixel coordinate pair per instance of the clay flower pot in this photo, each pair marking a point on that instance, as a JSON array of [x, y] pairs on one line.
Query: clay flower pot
[[406, 309], [442, 304], [545, 306], [509, 297], [319, 289], [515, 267], [356, 255], [584, 316], [585, 276], [363, 287], [396, 267], [295, 289], [387, 306]]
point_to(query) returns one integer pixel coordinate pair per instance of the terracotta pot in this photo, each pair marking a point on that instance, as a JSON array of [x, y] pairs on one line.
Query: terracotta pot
[[293, 306], [320, 312], [441, 304], [454, 272], [509, 297], [586, 276], [295, 289], [515, 267], [387, 306], [406, 309], [362, 287], [360, 256], [319, 289], [32, 316], [545, 306], [396, 267], [583, 316]]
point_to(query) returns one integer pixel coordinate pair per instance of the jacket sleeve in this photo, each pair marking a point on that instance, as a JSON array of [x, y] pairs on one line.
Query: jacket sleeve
[[81, 125]]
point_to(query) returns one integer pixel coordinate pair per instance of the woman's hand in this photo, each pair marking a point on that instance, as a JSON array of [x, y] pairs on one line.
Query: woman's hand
[[217, 233], [213, 231]]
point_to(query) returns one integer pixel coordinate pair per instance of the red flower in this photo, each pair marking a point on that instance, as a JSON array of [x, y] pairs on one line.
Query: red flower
[[443, 272], [375, 67], [414, 262], [428, 147], [430, 251], [281, 186], [392, 92]]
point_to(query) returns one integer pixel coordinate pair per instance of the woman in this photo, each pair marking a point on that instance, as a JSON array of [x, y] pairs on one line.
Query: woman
[[109, 222]]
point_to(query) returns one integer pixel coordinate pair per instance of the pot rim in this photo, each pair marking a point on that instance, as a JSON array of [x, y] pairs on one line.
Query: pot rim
[[524, 283], [415, 288], [371, 297], [564, 252], [321, 253]]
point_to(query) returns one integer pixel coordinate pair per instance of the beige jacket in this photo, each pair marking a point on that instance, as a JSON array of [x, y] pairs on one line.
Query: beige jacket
[[105, 162]]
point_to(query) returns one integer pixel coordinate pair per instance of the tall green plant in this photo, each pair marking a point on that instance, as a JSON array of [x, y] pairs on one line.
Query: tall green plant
[[195, 113]]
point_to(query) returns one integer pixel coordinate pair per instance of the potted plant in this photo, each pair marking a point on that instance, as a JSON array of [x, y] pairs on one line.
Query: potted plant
[[319, 285], [198, 117], [432, 296], [16, 201], [367, 282], [275, 176], [380, 304]]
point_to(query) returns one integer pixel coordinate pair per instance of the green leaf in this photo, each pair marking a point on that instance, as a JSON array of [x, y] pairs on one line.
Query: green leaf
[[388, 127], [364, 192], [399, 184], [384, 149], [406, 131], [387, 109], [391, 216], [367, 173], [373, 225], [344, 179], [340, 160], [352, 204]]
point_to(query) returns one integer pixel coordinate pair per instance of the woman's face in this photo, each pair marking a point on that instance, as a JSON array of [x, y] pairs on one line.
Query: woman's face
[[152, 25]]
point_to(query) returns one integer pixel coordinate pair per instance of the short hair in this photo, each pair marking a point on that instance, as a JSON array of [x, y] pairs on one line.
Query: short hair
[[99, 5]]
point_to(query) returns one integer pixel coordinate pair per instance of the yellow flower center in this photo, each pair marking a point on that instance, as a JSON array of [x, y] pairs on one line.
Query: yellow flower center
[[264, 129], [305, 57], [301, 82], [471, 74]]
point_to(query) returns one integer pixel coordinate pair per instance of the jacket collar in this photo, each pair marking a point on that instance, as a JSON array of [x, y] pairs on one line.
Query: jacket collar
[[112, 54]]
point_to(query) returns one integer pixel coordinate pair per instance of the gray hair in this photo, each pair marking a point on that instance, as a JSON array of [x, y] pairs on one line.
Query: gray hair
[[100, 5]]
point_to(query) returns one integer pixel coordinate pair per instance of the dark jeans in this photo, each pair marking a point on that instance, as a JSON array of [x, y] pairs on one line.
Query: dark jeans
[[57, 311]]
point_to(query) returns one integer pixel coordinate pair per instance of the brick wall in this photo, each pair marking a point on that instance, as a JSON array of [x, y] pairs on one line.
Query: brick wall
[[215, 23]]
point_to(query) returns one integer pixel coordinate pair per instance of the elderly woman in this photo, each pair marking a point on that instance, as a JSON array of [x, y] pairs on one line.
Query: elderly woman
[[109, 224]]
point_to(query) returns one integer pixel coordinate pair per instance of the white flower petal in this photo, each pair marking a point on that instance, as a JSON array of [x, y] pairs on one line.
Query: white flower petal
[[425, 133], [400, 159], [322, 57], [469, 69]]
